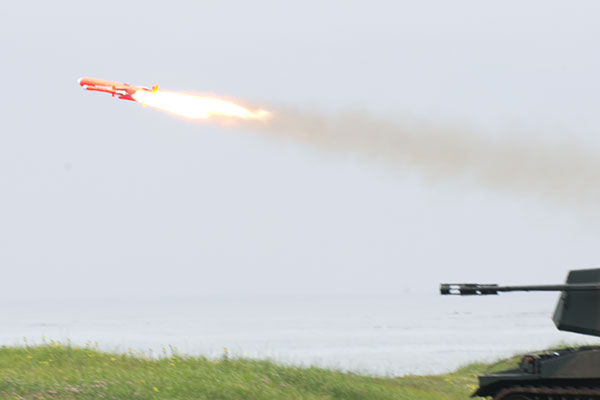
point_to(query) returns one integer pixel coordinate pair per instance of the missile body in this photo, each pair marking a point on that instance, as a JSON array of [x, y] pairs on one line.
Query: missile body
[[120, 90]]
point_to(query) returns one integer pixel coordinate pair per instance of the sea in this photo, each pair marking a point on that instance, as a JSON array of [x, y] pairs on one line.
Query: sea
[[408, 333]]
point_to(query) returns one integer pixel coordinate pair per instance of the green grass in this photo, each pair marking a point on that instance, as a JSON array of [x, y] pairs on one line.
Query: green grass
[[55, 371]]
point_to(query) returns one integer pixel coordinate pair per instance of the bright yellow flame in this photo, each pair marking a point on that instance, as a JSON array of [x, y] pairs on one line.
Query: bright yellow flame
[[196, 107]]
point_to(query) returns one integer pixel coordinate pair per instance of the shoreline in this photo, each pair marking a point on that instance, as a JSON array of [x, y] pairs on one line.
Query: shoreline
[[60, 371]]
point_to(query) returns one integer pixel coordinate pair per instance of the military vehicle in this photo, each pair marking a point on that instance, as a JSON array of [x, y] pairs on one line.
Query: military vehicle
[[567, 373]]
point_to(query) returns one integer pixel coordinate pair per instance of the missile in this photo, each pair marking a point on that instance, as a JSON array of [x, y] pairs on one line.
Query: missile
[[120, 90]]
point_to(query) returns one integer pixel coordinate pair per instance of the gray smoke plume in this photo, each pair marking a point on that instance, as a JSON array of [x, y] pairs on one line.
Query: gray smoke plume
[[565, 173]]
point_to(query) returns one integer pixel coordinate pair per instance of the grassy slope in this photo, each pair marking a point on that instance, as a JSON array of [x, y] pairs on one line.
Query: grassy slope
[[57, 372]]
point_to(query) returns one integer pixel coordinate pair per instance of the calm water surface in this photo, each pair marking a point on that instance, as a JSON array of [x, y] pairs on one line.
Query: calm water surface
[[380, 335]]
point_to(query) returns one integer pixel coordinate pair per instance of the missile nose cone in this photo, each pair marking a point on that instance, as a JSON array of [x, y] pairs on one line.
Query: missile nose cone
[[82, 84]]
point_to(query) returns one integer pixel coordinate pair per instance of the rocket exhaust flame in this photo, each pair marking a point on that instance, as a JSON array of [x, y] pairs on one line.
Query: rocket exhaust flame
[[196, 107]]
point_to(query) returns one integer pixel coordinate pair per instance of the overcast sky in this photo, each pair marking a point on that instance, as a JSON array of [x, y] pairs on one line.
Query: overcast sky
[[104, 197]]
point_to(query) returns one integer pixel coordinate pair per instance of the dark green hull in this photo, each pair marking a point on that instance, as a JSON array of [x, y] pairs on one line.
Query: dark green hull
[[561, 368]]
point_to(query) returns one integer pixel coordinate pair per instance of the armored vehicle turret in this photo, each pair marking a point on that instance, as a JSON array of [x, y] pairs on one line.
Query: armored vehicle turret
[[555, 374]]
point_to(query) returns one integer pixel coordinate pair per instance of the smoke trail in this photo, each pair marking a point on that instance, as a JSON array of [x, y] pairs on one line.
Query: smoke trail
[[560, 172]]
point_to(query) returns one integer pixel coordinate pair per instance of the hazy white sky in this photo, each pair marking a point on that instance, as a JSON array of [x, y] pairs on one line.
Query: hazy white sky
[[104, 197]]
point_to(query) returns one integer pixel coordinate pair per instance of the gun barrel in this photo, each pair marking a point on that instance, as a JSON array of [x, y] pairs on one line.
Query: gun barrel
[[468, 289]]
